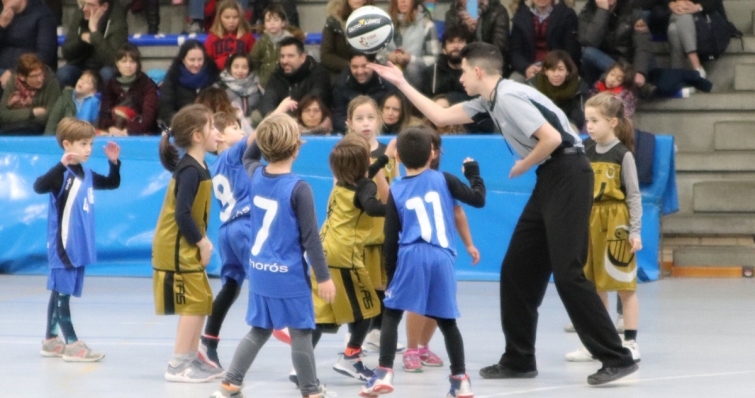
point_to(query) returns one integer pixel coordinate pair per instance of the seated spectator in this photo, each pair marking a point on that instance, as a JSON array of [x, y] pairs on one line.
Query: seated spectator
[[357, 80], [96, 32], [443, 77], [296, 75], [682, 36], [334, 48], [559, 80], [265, 53], [613, 30], [313, 117], [26, 26], [536, 30], [618, 80], [415, 43], [28, 98], [491, 26], [216, 100], [396, 113], [80, 102], [230, 33], [242, 86], [129, 100], [451, 129], [190, 72]]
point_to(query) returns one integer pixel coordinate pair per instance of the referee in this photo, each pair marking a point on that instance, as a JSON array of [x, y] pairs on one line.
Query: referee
[[552, 232]]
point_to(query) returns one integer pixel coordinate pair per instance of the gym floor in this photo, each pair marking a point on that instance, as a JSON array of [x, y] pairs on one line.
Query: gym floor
[[696, 340]]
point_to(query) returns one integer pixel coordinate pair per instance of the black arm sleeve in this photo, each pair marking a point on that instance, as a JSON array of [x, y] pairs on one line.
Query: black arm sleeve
[[51, 181], [391, 230], [365, 198], [375, 167], [303, 203], [251, 158], [113, 179], [474, 196], [187, 184]]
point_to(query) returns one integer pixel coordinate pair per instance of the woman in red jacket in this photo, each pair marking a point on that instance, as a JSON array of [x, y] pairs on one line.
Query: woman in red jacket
[[230, 33]]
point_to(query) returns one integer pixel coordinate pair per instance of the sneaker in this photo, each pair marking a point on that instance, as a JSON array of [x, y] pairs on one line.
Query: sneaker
[[323, 393], [372, 342], [207, 368], [208, 351], [380, 383], [606, 375], [498, 371], [702, 73], [429, 358], [53, 347], [634, 348], [227, 391], [460, 387], [79, 352], [188, 371], [580, 355], [352, 366], [293, 377], [569, 328], [282, 336], [620, 324], [412, 363]]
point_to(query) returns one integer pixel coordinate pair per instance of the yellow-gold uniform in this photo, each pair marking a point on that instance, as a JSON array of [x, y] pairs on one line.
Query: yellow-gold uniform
[[179, 280]]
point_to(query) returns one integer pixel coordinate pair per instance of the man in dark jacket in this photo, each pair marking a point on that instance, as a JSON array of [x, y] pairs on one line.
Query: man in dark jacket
[[357, 80], [96, 32], [492, 25], [26, 26], [296, 75], [612, 30], [443, 77]]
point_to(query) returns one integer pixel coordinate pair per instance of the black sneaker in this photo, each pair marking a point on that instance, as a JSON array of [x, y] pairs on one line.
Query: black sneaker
[[498, 371], [606, 375]]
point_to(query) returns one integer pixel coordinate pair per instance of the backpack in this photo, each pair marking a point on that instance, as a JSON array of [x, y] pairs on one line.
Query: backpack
[[714, 32]]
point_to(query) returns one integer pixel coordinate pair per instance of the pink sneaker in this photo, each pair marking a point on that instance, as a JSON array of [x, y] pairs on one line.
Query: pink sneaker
[[429, 358], [412, 363], [282, 335]]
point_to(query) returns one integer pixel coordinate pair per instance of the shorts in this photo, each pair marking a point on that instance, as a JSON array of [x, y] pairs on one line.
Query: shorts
[[234, 245], [66, 280], [278, 313], [186, 293], [355, 298], [375, 266], [424, 282], [610, 264]]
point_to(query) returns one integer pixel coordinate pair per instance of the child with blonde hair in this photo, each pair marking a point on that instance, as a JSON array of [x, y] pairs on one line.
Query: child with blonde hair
[[230, 33]]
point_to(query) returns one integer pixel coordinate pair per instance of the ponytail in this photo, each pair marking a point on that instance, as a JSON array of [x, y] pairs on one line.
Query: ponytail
[[168, 153], [613, 107], [185, 123], [625, 132]]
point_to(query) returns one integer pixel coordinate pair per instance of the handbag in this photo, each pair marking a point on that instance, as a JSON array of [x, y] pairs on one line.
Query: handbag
[[713, 34]]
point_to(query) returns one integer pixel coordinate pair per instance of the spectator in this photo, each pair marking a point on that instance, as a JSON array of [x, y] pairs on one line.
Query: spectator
[[230, 33], [190, 72], [242, 86], [682, 36], [216, 100], [129, 100], [29, 96], [538, 29], [96, 32], [265, 54], [26, 26], [296, 75], [313, 116], [396, 113], [415, 43], [80, 102], [559, 80], [334, 49], [443, 77], [357, 80], [451, 129], [612, 30], [618, 81], [493, 26]]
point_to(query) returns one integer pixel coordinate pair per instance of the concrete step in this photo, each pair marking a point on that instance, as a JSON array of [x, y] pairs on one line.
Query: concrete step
[[697, 102], [740, 161], [712, 256], [724, 197], [734, 136], [686, 181], [711, 224], [744, 77]]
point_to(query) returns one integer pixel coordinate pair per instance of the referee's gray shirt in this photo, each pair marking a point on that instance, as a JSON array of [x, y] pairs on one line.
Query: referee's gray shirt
[[519, 110]]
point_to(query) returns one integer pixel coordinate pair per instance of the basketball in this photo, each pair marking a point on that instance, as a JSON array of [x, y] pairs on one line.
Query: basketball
[[369, 29]]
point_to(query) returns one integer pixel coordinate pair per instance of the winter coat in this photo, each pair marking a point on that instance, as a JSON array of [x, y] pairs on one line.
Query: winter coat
[[31, 31], [492, 25], [112, 32], [441, 79], [418, 38], [141, 97], [23, 120], [65, 106], [219, 49], [310, 78], [173, 96], [347, 88], [334, 49], [265, 54]]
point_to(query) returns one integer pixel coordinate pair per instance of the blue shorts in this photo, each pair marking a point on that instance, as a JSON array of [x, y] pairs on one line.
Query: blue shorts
[[66, 280], [278, 313], [424, 282], [235, 242]]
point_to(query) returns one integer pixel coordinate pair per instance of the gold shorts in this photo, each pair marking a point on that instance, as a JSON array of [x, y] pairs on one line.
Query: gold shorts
[[610, 264], [375, 266], [355, 298], [187, 293]]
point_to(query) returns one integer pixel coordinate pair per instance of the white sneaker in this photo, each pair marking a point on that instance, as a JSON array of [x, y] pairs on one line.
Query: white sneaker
[[634, 348], [569, 328], [620, 324], [188, 371], [702, 73], [372, 342], [79, 352], [581, 355]]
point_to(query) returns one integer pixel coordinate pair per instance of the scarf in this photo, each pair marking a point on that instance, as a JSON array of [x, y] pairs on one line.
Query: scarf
[[126, 82], [194, 81], [562, 93], [601, 86], [22, 97], [275, 39], [242, 87]]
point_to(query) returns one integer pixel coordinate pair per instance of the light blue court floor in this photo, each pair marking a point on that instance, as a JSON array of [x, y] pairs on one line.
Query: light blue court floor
[[696, 339]]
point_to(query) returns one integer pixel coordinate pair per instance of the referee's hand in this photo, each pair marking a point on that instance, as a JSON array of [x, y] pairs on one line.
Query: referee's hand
[[327, 291]]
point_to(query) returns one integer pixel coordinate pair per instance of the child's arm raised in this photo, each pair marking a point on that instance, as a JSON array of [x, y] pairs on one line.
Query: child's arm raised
[[365, 197], [52, 181], [113, 179], [252, 157], [303, 203], [390, 244], [474, 196]]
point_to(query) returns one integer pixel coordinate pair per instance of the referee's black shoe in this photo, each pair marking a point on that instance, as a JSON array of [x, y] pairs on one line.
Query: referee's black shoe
[[606, 375], [498, 371]]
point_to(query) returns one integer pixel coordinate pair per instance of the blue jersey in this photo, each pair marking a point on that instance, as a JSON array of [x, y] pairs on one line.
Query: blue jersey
[[276, 261], [425, 208], [70, 223], [231, 184]]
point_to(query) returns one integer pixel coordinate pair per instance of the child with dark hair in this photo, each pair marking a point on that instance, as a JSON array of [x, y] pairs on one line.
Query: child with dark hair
[[79, 102], [619, 80]]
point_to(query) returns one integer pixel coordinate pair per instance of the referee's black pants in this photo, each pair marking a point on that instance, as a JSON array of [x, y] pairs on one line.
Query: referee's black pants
[[552, 236]]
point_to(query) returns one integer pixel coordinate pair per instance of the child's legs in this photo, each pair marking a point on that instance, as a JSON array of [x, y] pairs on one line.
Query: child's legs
[[52, 316], [419, 330], [631, 309], [358, 330], [604, 297], [428, 331], [377, 322], [64, 318], [245, 354], [187, 335], [454, 344], [389, 337], [220, 306], [303, 357], [316, 335]]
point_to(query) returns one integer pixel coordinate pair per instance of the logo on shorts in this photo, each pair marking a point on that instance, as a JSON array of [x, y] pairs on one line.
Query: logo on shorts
[[274, 267], [366, 299], [180, 294], [388, 294], [619, 249]]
